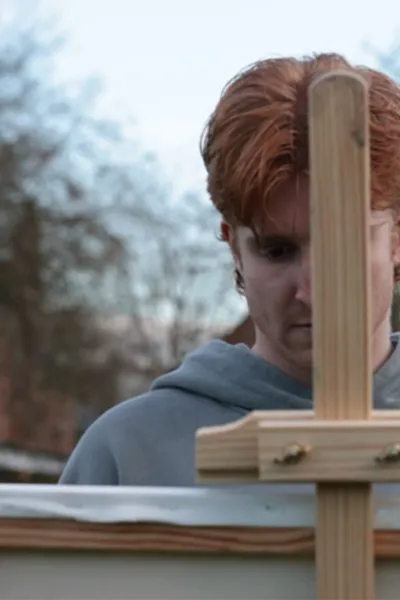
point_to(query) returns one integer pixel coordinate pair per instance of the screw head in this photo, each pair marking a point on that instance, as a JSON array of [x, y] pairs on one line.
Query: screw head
[[292, 454], [390, 454]]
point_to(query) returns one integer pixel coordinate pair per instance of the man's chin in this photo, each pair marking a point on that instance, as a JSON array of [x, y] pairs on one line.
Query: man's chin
[[303, 355]]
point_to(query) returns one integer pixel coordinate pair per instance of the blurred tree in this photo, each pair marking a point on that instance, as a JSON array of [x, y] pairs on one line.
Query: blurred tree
[[56, 247], [102, 272], [183, 290]]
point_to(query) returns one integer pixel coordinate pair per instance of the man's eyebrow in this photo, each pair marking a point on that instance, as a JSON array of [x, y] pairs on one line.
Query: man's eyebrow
[[274, 238]]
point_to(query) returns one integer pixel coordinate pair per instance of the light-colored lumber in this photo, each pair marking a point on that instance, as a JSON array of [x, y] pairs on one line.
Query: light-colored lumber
[[340, 206], [345, 451], [38, 535], [230, 453]]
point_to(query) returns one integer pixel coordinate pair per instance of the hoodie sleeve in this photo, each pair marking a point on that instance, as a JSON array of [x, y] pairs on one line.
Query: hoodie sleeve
[[92, 461]]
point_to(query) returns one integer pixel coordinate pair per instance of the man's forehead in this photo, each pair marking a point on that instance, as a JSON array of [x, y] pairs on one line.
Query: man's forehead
[[288, 219], [288, 209], [297, 222]]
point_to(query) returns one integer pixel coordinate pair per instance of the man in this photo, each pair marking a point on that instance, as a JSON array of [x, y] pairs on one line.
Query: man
[[256, 153]]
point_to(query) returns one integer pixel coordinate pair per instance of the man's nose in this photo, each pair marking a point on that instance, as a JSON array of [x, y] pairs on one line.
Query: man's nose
[[303, 292]]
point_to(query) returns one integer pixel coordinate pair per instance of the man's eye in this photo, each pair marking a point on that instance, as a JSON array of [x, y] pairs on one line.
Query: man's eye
[[279, 252]]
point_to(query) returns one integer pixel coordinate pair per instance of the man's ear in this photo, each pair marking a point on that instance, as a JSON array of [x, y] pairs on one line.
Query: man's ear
[[229, 235], [226, 232]]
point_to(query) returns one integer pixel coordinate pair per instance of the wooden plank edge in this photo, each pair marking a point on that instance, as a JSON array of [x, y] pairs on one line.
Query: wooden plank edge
[[56, 534], [251, 421]]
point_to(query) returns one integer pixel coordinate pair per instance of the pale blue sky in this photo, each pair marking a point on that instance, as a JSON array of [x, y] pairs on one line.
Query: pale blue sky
[[164, 62]]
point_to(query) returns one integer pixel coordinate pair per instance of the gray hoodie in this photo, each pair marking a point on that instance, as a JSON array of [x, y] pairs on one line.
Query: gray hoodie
[[150, 440]]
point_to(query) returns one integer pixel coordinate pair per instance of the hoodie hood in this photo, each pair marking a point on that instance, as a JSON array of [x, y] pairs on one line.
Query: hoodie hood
[[233, 376]]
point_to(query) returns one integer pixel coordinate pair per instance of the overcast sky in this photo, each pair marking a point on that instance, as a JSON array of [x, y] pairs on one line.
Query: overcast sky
[[163, 62]]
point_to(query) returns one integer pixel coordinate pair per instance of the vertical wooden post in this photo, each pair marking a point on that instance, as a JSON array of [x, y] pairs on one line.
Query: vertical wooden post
[[340, 205]]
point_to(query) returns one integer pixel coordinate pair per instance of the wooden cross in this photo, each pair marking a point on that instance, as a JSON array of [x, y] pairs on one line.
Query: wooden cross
[[343, 445]]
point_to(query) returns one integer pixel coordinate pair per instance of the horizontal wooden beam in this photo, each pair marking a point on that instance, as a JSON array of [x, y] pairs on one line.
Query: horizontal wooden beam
[[329, 451], [229, 453], [38, 535]]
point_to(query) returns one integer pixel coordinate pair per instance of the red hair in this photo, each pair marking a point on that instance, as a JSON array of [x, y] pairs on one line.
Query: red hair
[[257, 137]]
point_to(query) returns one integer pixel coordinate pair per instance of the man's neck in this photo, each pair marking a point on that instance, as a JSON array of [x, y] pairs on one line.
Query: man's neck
[[300, 373]]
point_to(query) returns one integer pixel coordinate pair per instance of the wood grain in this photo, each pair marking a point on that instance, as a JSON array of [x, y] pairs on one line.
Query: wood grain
[[57, 534], [340, 208], [229, 453], [336, 450]]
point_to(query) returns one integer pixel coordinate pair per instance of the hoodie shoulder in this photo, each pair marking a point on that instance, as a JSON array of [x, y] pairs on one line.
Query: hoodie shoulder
[[92, 462], [146, 440], [120, 431]]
